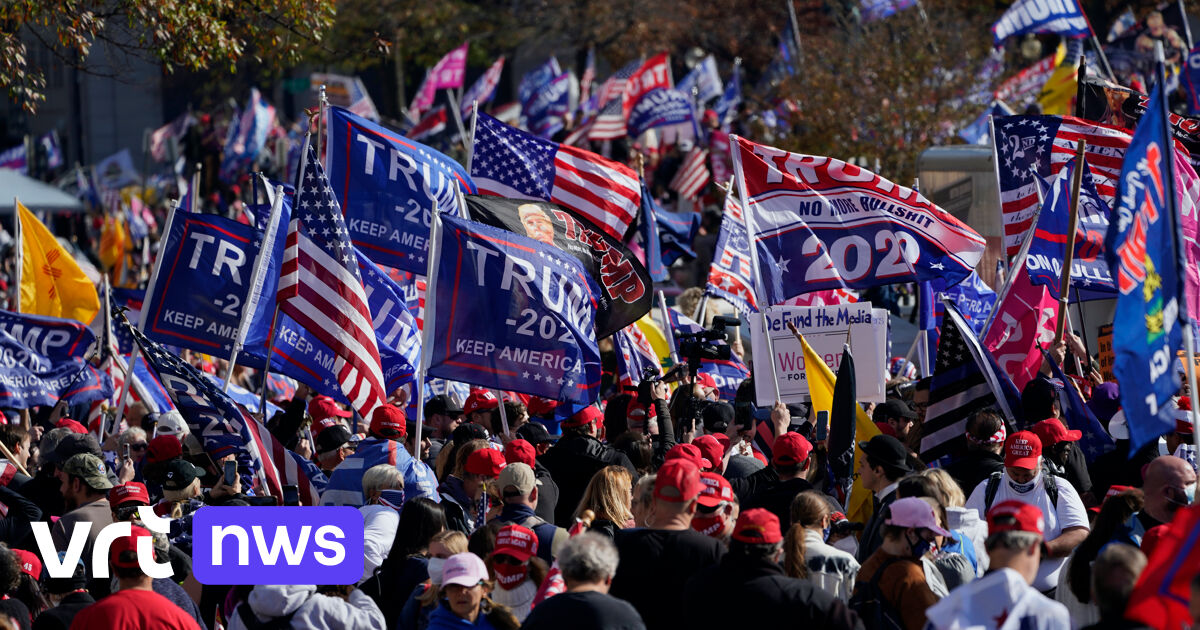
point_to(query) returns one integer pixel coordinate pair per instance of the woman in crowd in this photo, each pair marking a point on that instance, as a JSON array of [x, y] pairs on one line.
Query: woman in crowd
[[383, 489], [807, 556], [608, 496], [424, 598], [1117, 522], [405, 566], [969, 531], [910, 527], [944, 570], [517, 570], [463, 600]]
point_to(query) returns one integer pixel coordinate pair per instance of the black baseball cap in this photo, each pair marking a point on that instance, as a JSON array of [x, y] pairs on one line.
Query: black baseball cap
[[534, 433], [892, 408], [73, 444], [717, 416], [410, 428], [442, 404], [468, 431], [887, 451], [332, 438], [180, 474]]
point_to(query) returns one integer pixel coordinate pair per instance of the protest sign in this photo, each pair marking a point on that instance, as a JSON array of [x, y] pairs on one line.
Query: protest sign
[[825, 328], [1105, 339]]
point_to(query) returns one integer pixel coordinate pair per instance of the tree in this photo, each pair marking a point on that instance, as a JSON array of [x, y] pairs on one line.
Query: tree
[[181, 34]]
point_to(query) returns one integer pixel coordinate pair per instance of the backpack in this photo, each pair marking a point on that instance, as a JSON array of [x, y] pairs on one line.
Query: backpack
[[993, 485], [876, 612]]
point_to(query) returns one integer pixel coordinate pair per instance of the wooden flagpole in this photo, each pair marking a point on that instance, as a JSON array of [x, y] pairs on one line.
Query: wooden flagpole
[[1069, 254]]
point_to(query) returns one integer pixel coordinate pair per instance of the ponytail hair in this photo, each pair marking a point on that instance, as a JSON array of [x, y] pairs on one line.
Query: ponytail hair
[[809, 509], [793, 553]]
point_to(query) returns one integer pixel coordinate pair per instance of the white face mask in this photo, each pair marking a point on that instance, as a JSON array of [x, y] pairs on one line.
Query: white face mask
[[848, 544], [435, 570]]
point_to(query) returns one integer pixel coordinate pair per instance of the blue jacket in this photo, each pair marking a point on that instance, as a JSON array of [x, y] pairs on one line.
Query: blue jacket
[[442, 618], [524, 515], [345, 483]]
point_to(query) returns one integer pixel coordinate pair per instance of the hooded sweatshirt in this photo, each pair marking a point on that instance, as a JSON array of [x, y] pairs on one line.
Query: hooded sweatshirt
[[1002, 600], [310, 610]]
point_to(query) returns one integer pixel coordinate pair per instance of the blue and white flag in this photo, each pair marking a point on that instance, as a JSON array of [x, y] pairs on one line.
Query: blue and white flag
[[1141, 253], [664, 236], [1062, 17], [635, 356], [704, 78], [544, 114], [973, 298], [648, 237], [662, 107], [484, 88], [1094, 440], [730, 276], [49, 142], [15, 158], [512, 313], [879, 9], [248, 136], [731, 98], [1090, 276], [533, 80], [388, 186], [42, 361]]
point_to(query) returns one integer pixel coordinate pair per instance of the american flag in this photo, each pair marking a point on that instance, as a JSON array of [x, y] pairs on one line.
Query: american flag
[[484, 87], [1045, 144], [965, 380], [610, 122], [320, 287], [430, 124], [693, 175], [730, 276], [634, 355], [511, 163]]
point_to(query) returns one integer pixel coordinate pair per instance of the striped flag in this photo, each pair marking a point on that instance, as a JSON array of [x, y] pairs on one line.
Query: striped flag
[[965, 380], [693, 175], [610, 122], [321, 289], [730, 276], [634, 355], [511, 163], [430, 124], [281, 465], [484, 87]]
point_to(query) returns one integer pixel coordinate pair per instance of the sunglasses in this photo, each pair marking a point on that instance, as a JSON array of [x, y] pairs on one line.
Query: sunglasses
[[501, 558]]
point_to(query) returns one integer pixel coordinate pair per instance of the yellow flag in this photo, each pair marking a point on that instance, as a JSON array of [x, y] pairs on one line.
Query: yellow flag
[[51, 282], [820, 387], [114, 244], [658, 340], [1057, 97]]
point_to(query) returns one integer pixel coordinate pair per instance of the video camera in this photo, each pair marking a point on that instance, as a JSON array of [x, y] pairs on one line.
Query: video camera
[[697, 346]]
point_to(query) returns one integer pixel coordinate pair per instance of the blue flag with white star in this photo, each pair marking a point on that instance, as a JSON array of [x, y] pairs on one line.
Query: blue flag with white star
[[1090, 276], [512, 313]]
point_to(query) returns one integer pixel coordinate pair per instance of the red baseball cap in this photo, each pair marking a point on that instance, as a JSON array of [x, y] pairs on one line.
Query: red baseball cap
[[127, 543], [538, 406], [757, 526], [1183, 415], [486, 462], [1022, 450], [31, 565], [790, 449], [1051, 431], [72, 425], [129, 491], [710, 449], [690, 452], [716, 490], [637, 413], [516, 541], [324, 423], [678, 481], [387, 421], [1015, 516], [520, 451], [321, 407], [588, 415], [480, 400], [706, 380], [1112, 492], [163, 448]]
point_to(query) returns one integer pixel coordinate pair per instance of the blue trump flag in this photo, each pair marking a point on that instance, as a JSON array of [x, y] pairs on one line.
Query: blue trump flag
[[204, 284], [549, 104], [512, 313], [974, 300], [731, 98], [387, 186], [879, 9], [1063, 17], [1141, 253], [661, 107], [43, 362], [704, 78], [1090, 275], [649, 236], [1094, 441], [664, 236], [536, 78]]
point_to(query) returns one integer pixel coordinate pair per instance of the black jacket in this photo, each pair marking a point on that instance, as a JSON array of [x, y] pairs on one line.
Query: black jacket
[[872, 535], [777, 499], [15, 529], [975, 467], [1074, 468], [61, 616], [573, 461], [547, 492], [764, 596]]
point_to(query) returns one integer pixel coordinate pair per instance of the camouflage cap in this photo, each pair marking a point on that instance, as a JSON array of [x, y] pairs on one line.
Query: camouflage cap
[[89, 468]]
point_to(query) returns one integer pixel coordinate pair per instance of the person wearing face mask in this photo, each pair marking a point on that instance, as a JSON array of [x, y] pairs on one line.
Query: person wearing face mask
[[464, 600], [424, 598], [718, 508], [894, 572], [1023, 479], [517, 569], [1169, 483]]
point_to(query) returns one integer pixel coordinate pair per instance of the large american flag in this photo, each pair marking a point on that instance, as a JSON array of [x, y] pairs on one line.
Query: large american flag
[[730, 276], [610, 122], [511, 163], [321, 289], [693, 175]]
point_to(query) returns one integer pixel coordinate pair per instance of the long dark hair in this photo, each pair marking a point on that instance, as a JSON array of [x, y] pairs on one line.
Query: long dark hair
[[420, 520], [1113, 512]]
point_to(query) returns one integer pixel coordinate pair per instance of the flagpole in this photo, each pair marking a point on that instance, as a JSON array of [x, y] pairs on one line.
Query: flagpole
[[194, 203], [1069, 255], [256, 284], [670, 330], [431, 269], [146, 314], [454, 109], [320, 121], [700, 309], [16, 305], [500, 406], [471, 143], [1018, 261]]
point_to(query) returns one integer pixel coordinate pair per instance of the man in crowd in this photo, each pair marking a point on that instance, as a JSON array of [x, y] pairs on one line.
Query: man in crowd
[[444, 415], [521, 450], [718, 508], [894, 418], [333, 446], [885, 461], [480, 408], [17, 440], [985, 449], [576, 457], [85, 488], [1169, 484], [1039, 402], [1115, 572], [518, 488], [1025, 480], [588, 563], [384, 445], [790, 459]]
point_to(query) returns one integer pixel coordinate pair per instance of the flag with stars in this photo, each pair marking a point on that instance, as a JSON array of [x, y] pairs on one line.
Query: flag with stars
[[511, 313], [965, 380], [510, 163], [610, 121], [321, 289], [44, 361], [730, 276], [634, 356], [819, 223], [1095, 441], [1090, 276]]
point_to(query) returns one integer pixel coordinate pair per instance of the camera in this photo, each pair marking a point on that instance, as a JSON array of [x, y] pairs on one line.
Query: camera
[[706, 344]]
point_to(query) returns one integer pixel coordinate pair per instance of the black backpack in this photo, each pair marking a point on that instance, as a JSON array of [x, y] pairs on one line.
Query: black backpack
[[993, 485], [876, 612]]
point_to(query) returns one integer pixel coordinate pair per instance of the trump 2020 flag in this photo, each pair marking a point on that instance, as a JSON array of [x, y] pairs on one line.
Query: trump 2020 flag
[[1141, 253], [44, 361], [1064, 17], [819, 223], [511, 163], [388, 187], [704, 78], [484, 88], [512, 313], [1090, 276]]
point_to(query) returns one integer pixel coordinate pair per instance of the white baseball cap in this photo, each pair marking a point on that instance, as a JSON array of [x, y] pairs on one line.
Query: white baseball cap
[[464, 569], [171, 423]]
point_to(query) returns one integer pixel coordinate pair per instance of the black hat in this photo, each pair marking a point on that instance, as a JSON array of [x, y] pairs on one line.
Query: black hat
[[534, 433], [73, 444], [468, 431], [1038, 398], [892, 408], [332, 438], [410, 428], [180, 474], [887, 451], [717, 416], [442, 404]]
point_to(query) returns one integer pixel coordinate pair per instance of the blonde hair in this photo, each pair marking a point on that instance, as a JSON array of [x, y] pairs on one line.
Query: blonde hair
[[808, 510], [381, 477], [455, 542], [607, 495], [951, 493]]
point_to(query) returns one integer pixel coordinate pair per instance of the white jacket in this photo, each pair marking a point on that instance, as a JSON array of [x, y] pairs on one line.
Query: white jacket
[[312, 611], [379, 531], [961, 519], [829, 568], [1001, 599]]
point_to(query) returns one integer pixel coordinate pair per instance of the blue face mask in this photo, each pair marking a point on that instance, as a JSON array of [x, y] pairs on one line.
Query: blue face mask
[[825, 534], [392, 498]]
